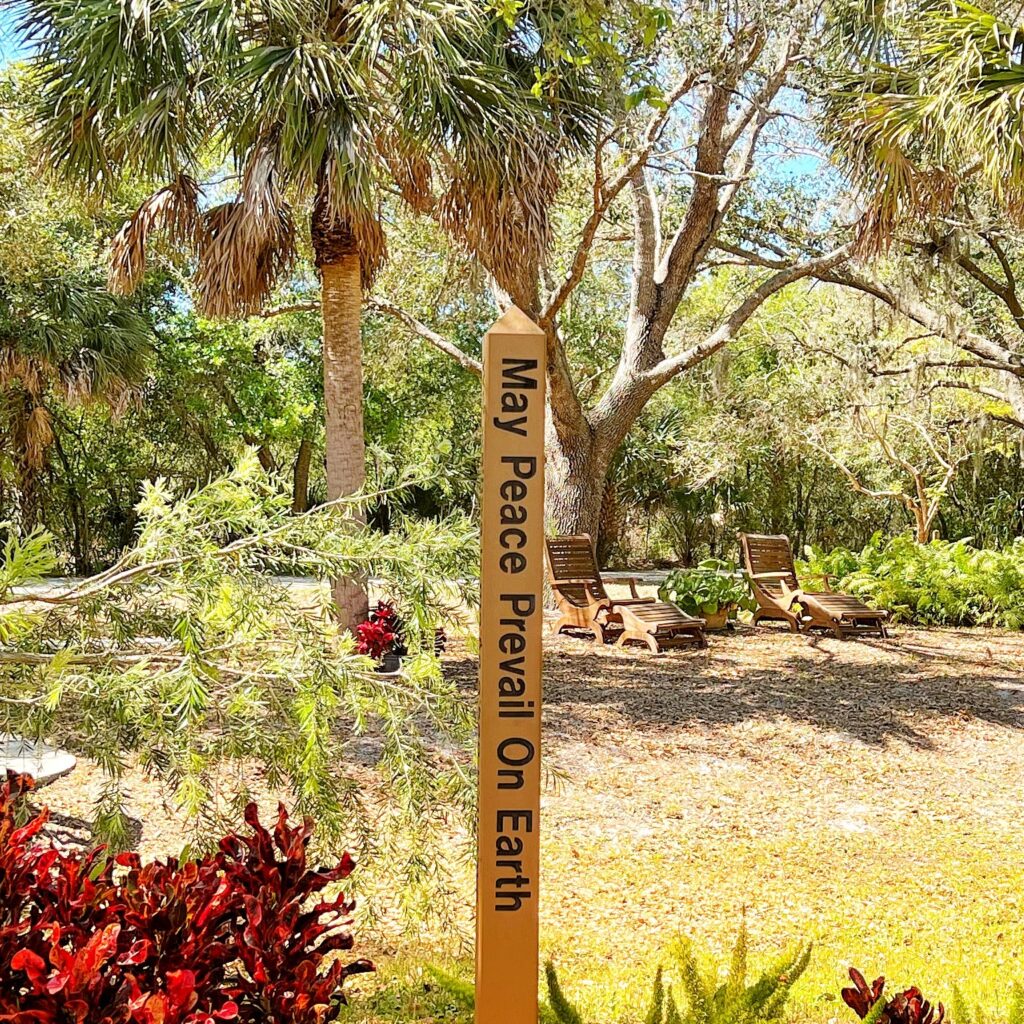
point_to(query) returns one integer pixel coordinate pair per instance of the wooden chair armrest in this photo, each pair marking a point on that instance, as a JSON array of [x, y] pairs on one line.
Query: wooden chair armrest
[[825, 577]]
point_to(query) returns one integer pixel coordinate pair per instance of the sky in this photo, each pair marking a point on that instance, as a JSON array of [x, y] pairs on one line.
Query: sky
[[10, 47]]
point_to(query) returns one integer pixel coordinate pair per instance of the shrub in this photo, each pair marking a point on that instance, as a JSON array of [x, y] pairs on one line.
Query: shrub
[[942, 583], [714, 585], [707, 1001], [231, 937]]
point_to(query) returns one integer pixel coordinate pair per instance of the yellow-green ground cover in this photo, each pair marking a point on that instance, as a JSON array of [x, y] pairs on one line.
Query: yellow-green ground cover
[[866, 795]]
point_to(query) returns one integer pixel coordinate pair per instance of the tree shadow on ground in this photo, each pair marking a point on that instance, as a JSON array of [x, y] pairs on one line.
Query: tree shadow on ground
[[69, 832], [874, 692]]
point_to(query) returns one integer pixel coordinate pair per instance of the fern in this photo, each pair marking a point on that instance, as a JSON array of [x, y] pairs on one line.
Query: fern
[[564, 1012], [942, 583], [657, 1010], [732, 1002], [1017, 1005], [962, 1013], [462, 992]]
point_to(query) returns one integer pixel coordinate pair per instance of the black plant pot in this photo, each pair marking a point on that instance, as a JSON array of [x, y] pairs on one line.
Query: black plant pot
[[390, 664]]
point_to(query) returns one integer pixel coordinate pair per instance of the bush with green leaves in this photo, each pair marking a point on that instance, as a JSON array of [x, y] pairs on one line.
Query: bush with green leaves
[[941, 583], [714, 585], [193, 657], [707, 1000]]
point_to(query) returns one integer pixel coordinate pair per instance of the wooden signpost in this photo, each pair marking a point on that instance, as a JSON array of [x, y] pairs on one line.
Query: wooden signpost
[[511, 620]]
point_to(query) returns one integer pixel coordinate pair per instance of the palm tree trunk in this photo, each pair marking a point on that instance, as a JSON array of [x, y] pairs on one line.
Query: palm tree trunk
[[342, 300], [300, 476]]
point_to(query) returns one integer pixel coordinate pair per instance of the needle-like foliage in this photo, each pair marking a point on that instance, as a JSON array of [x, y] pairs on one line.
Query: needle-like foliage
[[707, 999], [193, 656]]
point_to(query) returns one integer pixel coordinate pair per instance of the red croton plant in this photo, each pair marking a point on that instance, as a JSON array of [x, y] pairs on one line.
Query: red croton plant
[[241, 935], [381, 633], [907, 1007]]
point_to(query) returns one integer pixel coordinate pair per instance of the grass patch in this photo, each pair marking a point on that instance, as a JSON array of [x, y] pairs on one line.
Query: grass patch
[[862, 796]]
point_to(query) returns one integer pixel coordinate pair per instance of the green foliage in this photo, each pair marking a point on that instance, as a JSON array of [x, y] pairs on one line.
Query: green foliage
[[191, 657], [714, 585], [930, 106], [942, 583], [707, 999], [962, 1013]]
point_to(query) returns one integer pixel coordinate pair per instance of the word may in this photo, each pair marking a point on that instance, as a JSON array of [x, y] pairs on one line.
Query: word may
[[514, 384]]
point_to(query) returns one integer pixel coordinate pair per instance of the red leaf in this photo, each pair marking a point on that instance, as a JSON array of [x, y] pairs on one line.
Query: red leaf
[[32, 964]]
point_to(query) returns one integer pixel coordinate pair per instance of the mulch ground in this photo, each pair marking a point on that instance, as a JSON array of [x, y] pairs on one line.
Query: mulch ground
[[866, 794]]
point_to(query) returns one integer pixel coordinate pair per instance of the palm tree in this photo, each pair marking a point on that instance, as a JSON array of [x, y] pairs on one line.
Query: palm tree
[[67, 338], [932, 108], [324, 102]]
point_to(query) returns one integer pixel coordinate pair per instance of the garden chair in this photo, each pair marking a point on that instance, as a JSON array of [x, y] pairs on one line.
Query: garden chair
[[769, 563], [584, 603]]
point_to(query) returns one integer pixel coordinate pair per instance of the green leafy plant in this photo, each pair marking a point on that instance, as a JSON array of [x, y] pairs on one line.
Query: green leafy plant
[[964, 1014], [714, 586], [194, 658], [706, 1000], [940, 583]]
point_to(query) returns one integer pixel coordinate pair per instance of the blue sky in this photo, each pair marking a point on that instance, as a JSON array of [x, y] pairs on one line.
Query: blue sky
[[10, 47]]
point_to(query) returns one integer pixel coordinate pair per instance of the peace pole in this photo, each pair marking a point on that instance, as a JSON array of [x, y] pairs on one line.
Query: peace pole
[[511, 620]]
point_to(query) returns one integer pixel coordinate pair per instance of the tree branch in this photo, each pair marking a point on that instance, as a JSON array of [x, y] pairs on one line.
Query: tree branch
[[605, 193], [999, 356], [296, 307], [464, 359], [668, 368]]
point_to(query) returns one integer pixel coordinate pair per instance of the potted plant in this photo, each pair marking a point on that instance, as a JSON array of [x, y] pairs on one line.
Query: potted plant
[[715, 590], [382, 637]]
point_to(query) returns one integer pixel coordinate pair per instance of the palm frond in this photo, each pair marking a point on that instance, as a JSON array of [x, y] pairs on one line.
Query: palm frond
[[247, 244], [945, 110], [174, 209], [498, 206], [33, 435]]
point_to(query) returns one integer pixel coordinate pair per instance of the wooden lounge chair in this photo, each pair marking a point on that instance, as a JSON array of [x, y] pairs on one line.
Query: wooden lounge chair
[[769, 562], [585, 604]]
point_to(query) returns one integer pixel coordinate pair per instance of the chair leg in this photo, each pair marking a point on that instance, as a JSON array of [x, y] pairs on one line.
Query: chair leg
[[634, 634], [598, 631]]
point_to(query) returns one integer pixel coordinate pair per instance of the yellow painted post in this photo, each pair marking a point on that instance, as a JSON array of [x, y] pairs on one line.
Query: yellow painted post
[[511, 621]]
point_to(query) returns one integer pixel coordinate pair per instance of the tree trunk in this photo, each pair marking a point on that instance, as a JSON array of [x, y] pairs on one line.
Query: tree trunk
[[342, 299], [1015, 394], [575, 486], [300, 477], [610, 525]]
